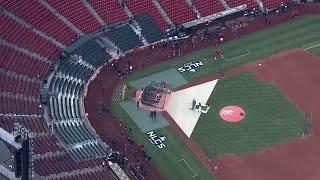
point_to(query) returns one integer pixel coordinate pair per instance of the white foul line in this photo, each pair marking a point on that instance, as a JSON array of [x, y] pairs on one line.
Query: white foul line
[[239, 56], [312, 47], [194, 173]]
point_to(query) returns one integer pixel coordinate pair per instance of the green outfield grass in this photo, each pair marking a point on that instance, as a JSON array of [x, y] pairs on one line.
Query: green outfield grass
[[271, 119], [301, 33]]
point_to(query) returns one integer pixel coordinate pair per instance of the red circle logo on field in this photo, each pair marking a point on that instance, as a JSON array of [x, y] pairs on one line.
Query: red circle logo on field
[[232, 113]]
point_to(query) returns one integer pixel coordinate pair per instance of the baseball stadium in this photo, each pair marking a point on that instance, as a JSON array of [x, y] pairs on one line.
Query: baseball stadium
[[159, 89]]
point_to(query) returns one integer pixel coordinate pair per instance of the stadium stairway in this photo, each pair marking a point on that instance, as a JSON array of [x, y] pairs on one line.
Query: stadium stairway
[[260, 4], [14, 32], [208, 7], [43, 18], [147, 6], [110, 11], [49, 154], [19, 104], [137, 29], [9, 45], [62, 18], [37, 31], [64, 109], [163, 12], [109, 46], [178, 11], [18, 84], [225, 4], [76, 13], [125, 8], [194, 8], [148, 28], [93, 12], [20, 75], [133, 24], [19, 62], [91, 54]]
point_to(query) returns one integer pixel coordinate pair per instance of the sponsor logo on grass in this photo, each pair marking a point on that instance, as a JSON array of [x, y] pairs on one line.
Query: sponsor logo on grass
[[157, 140], [232, 113], [190, 66]]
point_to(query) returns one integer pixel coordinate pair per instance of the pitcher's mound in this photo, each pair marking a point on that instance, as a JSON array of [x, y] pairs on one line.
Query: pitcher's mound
[[232, 113]]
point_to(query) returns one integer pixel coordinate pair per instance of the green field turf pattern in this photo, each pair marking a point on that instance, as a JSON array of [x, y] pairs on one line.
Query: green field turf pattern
[[167, 159], [301, 33], [271, 119]]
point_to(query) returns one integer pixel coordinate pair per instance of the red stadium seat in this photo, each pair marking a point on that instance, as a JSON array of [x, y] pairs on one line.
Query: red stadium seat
[[178, 11], [77, 13], [208, 7], [110, 11]]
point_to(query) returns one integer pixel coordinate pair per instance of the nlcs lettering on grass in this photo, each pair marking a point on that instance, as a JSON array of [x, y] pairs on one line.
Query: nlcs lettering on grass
[[156, 140], [190, 66]]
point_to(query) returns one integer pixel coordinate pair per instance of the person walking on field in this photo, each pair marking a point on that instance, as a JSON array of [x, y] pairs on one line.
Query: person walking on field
[[218, 53]]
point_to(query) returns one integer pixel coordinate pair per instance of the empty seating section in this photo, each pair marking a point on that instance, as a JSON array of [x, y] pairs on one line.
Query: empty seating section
[[46, 143], [93, 53], [73, 132], [234, 3], [65, 86], [124, 37], [20, 105], [96, 175], [146, 6], [24, 37], [62, 163], [19, 62], [86, 151], [33, 123], [39, 16], [18, 85], [75, 69], [208, 7], [77, 13], [110, 11], [148, 28], [64, 108], [269, 4], [178, 11]]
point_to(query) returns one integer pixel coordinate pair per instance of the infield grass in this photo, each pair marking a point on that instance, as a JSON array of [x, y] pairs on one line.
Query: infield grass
[[271, 119]]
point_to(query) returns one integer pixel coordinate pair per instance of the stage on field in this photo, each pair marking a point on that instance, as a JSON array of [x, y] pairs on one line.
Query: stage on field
[[142, 117]]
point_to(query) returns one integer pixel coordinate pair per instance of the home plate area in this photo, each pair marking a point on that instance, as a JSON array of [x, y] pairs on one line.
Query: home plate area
[[185, 106]]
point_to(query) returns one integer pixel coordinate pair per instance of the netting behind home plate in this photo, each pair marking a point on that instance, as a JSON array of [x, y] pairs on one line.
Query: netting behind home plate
[[155, 94]]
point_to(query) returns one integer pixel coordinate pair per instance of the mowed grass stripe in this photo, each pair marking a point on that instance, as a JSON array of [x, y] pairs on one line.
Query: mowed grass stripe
[[271, 118]]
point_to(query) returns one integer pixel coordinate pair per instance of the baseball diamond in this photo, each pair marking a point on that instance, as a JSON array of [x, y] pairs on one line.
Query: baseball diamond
[[158, 89]]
